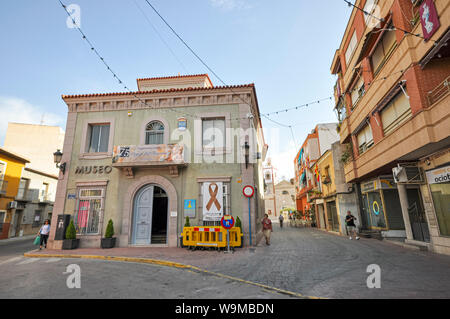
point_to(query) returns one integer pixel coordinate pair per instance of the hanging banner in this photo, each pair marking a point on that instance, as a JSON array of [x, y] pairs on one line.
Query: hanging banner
[[429, 19], [212, 201], [161, 153]]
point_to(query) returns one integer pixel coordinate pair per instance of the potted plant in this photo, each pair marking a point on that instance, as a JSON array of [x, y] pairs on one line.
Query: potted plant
[[71, 241], [186, 224], [109, 241]]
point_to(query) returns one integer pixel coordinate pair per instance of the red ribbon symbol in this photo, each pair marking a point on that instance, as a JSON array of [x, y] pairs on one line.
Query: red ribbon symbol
[[213, 199]]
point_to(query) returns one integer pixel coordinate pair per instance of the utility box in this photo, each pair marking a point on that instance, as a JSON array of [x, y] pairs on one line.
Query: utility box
[[61, 226]]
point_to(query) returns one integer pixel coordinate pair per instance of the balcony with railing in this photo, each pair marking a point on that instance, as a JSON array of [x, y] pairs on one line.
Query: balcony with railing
[[442, 90]]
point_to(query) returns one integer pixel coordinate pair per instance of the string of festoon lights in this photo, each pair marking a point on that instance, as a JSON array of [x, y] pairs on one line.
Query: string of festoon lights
[[228, 87], [394, 28]]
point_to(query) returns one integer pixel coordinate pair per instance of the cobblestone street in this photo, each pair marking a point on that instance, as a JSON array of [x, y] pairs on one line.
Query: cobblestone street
[[315, 263]]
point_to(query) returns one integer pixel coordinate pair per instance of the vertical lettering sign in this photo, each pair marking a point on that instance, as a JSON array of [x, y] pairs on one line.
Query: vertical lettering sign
[[429, 19], [212, 201]]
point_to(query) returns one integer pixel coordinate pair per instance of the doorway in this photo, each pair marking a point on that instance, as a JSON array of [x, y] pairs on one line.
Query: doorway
[[419, 224], [150, 214]]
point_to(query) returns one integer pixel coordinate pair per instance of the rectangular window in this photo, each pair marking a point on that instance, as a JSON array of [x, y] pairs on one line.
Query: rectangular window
[[2, 170], [397, 112], [98, 138], [213, 133], [44, 192], [358, 91], [23, 188], [384, 49], [37, 218], [370, 7], [365, 139], [351, 48], [89, 210]]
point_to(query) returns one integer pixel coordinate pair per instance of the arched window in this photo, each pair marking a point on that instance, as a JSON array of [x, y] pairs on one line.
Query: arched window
[[154, 133]]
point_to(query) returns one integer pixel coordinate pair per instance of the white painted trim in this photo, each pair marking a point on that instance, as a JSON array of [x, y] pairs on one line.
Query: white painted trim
[[85, 155], [152, 119]]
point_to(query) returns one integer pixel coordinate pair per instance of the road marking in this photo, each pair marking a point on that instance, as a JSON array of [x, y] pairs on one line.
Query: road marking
[[11, 260], [53, 260], [28, 261]]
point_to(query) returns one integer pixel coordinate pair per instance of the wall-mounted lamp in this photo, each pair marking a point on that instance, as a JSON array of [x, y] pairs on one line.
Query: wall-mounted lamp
[[57, 156], [247, 153]]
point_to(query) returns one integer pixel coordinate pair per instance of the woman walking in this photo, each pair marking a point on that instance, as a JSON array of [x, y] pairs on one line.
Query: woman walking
[[43, 233]]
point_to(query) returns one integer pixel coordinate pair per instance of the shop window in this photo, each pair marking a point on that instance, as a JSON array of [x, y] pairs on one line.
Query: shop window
[[98, 138], [154, 133], [89, 211], [397, 112], [441, 199], [365, 139]]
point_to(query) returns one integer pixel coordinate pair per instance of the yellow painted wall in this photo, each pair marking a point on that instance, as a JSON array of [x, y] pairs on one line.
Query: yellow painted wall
[[13, 173], [327, 160]]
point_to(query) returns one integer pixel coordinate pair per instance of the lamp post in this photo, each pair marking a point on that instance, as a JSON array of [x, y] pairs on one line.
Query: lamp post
[[57, 157], [247, 153]]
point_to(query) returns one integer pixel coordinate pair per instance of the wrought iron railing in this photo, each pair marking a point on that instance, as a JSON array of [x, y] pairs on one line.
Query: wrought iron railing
[[439, 92]]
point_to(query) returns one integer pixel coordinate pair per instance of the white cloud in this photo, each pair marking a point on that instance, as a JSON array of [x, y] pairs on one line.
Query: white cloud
[[20, 111], [229, 5]]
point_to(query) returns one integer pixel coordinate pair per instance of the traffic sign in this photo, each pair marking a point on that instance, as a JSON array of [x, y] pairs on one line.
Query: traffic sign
[[248, 191], [227, 221]]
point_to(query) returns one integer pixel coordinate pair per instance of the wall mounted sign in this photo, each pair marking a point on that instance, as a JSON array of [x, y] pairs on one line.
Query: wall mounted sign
[[212, 201], [161, 153], [429, 19], [189, 208], [440, 175], [182, 124], [86, 170], [71, 196]]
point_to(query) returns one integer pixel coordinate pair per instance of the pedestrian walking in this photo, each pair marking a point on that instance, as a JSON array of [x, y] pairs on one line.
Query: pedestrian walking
[[281, 218], [43, 233], [267, 228], [350, 224]]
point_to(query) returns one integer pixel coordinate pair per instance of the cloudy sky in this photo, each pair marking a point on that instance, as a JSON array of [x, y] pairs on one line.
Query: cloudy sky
[[285, 47]]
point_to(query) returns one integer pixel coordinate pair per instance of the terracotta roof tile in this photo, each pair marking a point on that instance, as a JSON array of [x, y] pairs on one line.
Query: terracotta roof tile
[[190, 89]]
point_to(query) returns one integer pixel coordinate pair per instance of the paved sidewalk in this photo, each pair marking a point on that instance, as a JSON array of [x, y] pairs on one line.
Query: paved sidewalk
[[313, 263]]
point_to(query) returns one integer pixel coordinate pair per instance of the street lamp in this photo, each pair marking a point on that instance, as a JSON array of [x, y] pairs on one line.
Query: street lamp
[[57, 156], [247, 154]]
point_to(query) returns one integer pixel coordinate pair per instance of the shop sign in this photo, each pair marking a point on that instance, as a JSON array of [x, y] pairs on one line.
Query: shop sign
[[429, 19], [368, 187], [438, 176]]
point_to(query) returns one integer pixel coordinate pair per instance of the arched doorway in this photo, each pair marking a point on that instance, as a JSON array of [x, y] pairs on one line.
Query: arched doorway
[[150, 216]]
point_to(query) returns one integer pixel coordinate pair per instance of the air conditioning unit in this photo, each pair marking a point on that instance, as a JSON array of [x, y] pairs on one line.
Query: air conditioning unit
[[12, 205], [408, 174]]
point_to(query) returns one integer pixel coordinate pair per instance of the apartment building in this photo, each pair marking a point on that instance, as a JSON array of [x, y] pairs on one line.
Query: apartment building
[[314, 146], [178, 147], [392, 97]]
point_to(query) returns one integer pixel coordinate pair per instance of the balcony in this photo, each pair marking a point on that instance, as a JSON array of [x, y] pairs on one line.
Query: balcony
[[128, 158], [442, 90]]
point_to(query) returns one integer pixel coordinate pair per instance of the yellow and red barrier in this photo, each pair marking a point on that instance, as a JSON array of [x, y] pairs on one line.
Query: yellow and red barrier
[[211, 237]]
